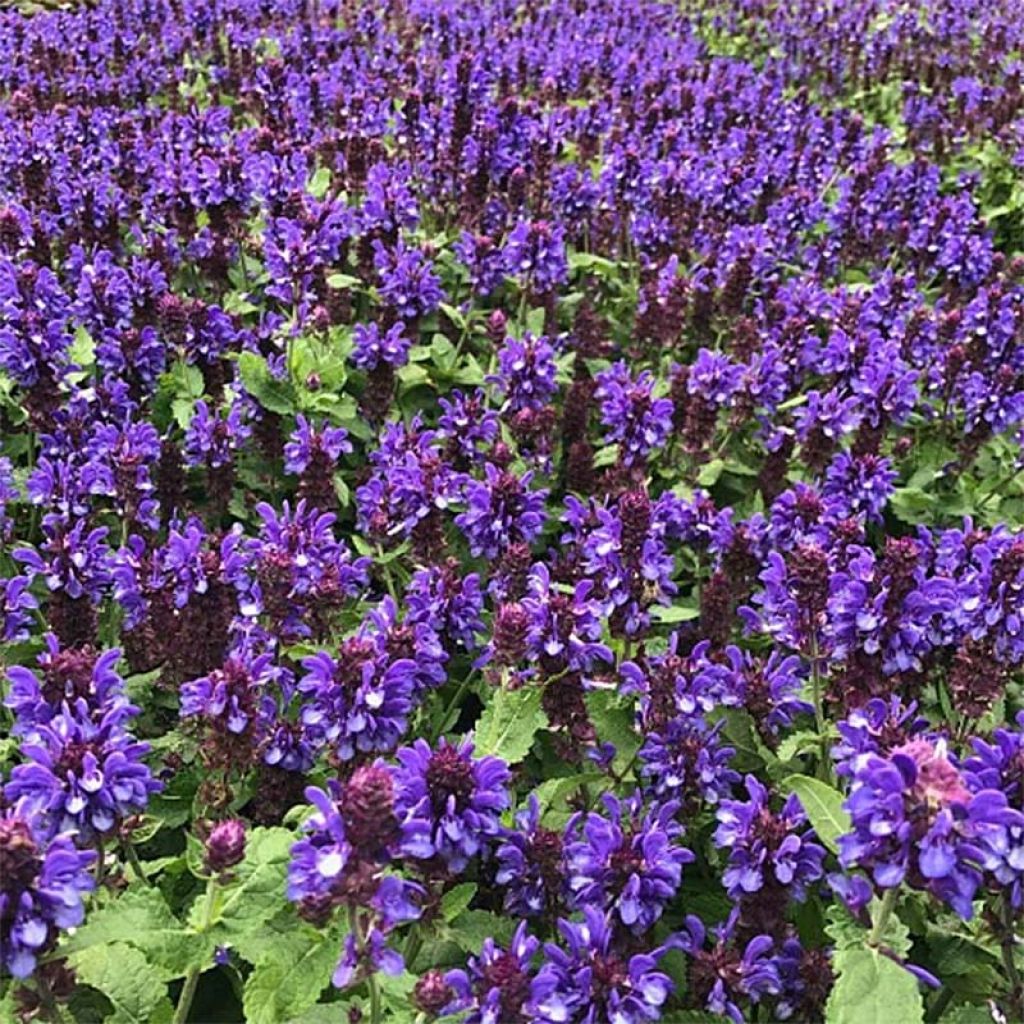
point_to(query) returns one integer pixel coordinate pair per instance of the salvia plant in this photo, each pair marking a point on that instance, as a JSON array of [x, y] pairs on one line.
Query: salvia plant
[[512, 512]]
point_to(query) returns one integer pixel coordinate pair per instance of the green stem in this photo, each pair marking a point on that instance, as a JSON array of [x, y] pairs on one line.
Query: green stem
[[1007, 945], [413, 944], [453, 706], [882, 920], [371, 983], [133, 859], [938, 1008], [100, 862], [188, 992]]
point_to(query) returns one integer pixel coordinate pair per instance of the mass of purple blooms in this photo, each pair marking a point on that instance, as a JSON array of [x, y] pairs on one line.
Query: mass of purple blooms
[[511, 513]]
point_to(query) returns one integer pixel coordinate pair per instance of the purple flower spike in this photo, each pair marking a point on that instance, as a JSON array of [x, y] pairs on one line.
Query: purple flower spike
[[42, 882], [450, 802]]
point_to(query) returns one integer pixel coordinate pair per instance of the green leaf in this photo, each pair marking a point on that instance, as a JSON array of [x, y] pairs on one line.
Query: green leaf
[[509, 724], [454, 314], [589, 261], [554, 792], [257, 891], [848, 933], [457, 899], [289, 980], [319, 183], [674, 613], [141, 918], [123, 974], [710, 472], [872, 989], [801, 742], [615, 722], [968, 1014], [412, 375], [535, 319], [469, 930], [824, 808], [343, 281], [913, 505], [273, 394], [82, 351]]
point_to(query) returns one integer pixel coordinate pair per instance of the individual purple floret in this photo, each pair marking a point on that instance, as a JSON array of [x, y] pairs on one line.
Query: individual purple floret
[[449, 802], [9, 493], [18, 606], [999, 765], [43, 879]]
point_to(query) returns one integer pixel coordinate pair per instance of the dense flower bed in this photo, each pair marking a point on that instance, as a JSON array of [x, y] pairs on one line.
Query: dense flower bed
[[509, 512]]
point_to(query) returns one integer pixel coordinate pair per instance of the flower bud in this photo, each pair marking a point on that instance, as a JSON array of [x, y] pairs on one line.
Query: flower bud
[[225, 845]]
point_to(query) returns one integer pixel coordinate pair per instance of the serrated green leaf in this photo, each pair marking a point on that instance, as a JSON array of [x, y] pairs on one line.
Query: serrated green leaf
[[823, 806], [509, 724], [555, 791], [124, 975], [912, 505], [968, 1014], [457, 899], [289, 980], [614, 721], [141, 918], [257, 890], [798, 742], [872, 989], [272, 394], [847, 933], [469, 930]]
